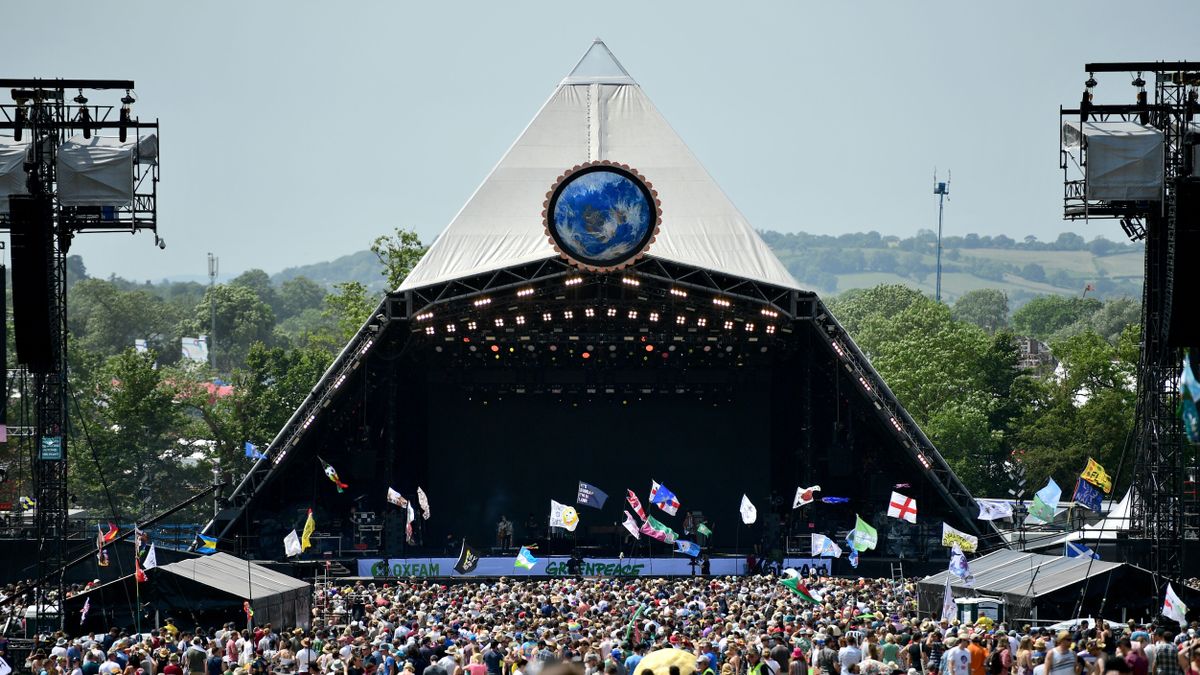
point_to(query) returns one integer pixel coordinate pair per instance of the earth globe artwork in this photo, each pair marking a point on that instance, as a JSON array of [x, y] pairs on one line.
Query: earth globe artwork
[[602, 216]]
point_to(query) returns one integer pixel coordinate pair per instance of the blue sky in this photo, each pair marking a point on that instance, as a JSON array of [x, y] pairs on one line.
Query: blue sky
[[297, 131]]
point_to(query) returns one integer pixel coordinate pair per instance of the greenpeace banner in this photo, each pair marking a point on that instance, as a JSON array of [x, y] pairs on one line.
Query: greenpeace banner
[[557, 567]]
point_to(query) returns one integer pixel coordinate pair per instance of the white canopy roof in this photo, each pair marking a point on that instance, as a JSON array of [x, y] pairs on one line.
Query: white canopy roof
[[598, 112], [1124, 159]]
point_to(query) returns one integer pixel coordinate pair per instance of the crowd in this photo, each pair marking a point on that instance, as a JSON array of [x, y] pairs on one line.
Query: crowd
[[604, 626]]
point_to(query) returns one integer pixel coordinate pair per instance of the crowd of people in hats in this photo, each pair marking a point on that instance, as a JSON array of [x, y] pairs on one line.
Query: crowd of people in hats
[[747, 625]]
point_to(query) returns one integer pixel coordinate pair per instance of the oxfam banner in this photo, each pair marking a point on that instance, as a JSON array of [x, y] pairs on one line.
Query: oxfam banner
[[557, 567]]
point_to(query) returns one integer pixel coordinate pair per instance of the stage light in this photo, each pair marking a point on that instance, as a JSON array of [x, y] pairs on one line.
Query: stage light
[[702, 322], [612, 311], [429, 330], [471, 325], [680, 320], [366, 346], [495, 348], [309, 421], [633, 314], [649, 348], [769, 312], [679, 292], [865, 385], [654, 316], [612, 348], [1144, 113], [481, 302], [586, 355], [630, 281], [553, 348], [722, 302], [728, 325], [671, 348], [770, 330], [424, 316], [568, 314], [589, 312], [573, 281], [896, 423], [338, 382], [85, 115], [524, 292], [499, 323], [520, 319], [749, 327], [20, 117], [126, 115], [838, 348], [708, 348], [450, 328], [547, 316]]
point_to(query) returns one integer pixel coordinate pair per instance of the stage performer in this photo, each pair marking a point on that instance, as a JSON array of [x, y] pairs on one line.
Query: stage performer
[[504, 532]]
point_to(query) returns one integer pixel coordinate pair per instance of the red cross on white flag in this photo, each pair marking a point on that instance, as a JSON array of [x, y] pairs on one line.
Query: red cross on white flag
[[904, 508]]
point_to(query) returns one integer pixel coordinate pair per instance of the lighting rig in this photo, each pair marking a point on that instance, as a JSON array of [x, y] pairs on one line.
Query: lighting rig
[[1152, 192], [75, 180]]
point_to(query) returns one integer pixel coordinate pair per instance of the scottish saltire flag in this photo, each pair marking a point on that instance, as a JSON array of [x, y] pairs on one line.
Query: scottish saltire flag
[[1087, 495], [1045, 502], [850, 538], [590, 495], [687, 547], [525, 559], [1075, 550], [959, 566], [207, 544], [252, 451], [665, 499]]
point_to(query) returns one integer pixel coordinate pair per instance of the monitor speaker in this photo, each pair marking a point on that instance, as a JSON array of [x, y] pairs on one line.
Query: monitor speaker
[[31, 251]]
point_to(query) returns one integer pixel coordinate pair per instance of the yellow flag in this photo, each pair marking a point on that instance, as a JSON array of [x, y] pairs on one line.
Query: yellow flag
[[309, 526], [1096, 475]]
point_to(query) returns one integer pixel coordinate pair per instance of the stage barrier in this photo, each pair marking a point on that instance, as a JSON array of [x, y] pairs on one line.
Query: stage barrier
[[556, 566]]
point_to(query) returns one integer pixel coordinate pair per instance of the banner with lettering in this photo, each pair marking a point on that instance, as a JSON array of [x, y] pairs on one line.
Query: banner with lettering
[[557, 566]]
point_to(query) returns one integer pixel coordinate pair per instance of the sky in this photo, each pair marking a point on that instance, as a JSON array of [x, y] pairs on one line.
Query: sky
[[294, 132]]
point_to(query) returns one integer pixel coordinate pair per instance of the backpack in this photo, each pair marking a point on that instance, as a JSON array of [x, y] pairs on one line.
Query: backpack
[[995, 663]]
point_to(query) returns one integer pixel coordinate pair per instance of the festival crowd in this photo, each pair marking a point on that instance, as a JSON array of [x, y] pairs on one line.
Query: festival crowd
[[748, 625]]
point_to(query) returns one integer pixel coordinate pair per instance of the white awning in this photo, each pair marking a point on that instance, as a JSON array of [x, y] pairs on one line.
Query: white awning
[[1124, 160], [12, 169]]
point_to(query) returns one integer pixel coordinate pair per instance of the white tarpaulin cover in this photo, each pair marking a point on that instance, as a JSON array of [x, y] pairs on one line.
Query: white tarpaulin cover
[[12, 170], [95, 171], [1124, 159], [597, 113]]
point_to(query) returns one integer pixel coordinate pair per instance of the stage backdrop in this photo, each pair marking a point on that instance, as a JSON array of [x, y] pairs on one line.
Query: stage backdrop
[[557, 567]]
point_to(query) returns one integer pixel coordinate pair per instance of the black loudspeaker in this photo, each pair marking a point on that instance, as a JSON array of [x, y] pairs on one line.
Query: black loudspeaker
[[31, 249], [4, 346]]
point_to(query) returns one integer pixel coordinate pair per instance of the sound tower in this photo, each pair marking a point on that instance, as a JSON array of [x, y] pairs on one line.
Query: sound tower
[[31, 250], [4, 346], [1184, 320]]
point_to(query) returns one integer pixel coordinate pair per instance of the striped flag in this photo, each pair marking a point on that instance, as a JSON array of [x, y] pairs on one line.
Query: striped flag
[[635, 504]]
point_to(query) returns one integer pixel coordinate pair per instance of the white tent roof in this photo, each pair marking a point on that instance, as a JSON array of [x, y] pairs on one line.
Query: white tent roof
[[598, 112]]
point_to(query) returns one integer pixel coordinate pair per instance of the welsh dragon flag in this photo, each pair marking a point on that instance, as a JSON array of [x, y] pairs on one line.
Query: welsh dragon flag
[[793, 584]]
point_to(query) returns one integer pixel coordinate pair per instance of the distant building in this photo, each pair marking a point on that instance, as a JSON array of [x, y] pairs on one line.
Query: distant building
[[1033, 354]]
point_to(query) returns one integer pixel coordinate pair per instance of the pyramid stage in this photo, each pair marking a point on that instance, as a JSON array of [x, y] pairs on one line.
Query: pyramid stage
[[598, 311]]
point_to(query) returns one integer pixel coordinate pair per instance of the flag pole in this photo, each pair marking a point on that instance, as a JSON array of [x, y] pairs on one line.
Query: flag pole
[[137, 599]]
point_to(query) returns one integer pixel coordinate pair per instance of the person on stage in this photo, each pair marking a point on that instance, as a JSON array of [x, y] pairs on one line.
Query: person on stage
[[504, 532]]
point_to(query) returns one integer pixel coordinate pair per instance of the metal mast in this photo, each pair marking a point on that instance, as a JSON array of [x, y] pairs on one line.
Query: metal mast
[[942, 190]]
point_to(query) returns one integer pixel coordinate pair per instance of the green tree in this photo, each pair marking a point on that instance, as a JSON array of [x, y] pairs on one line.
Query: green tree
[[399, 253], [259, 282], [297, 295], [984, 307], [854, 307], [242, 319], [107, 320], [1046, 314], [348, 307]]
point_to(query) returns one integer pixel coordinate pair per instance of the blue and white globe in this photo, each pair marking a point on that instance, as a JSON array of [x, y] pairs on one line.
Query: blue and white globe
[[602, 217]]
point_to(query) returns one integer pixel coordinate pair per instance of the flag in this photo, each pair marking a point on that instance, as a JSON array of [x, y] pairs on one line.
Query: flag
[[656, 530], [590, 495], [631, 525], [468, 559], [804, 495], [563, 516], [87, 606], [411, 515], [102, 557], [291, 544], [112, 533], [794, 585], [1173, 607], [635, 504], [949, 609], [951, 537], [959, 566], [332, 474], [396, 498], [310, 526], [525, 559], [1187, 379], [1190, 417], [835, 500], [28, 503], [248, 610], [5, 669], [1087, 495], [252, 451], [1045, 502], [151, 560], [665, 499], [850, 537], [1096, 475], [207, 544], [865, 536], [901, 486], [1074, 550], [823, 547], [687, 547], [994, 510], [704, 530], [749, 513], [904, 508], [137, 571], [424, 502]]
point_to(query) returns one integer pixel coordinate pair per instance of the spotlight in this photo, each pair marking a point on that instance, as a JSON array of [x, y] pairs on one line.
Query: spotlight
[[547, 316], [649, 348], [481, 302], [722, 302], [573, 281], [471, 325], [586, 355], [612, 311], [679, 292], [770, 330], [524, 292], [85, 115], [728, 325], [589, 312], [680, 320], [633, 314], [424, 316], [769, 312], [654, 316], [126, 115], [495, 348], [702, 322], [630, 281], [749, 327], [20, 117], [520, 319], [450, 328], [499, 323], [429, 330], [568, 314]]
